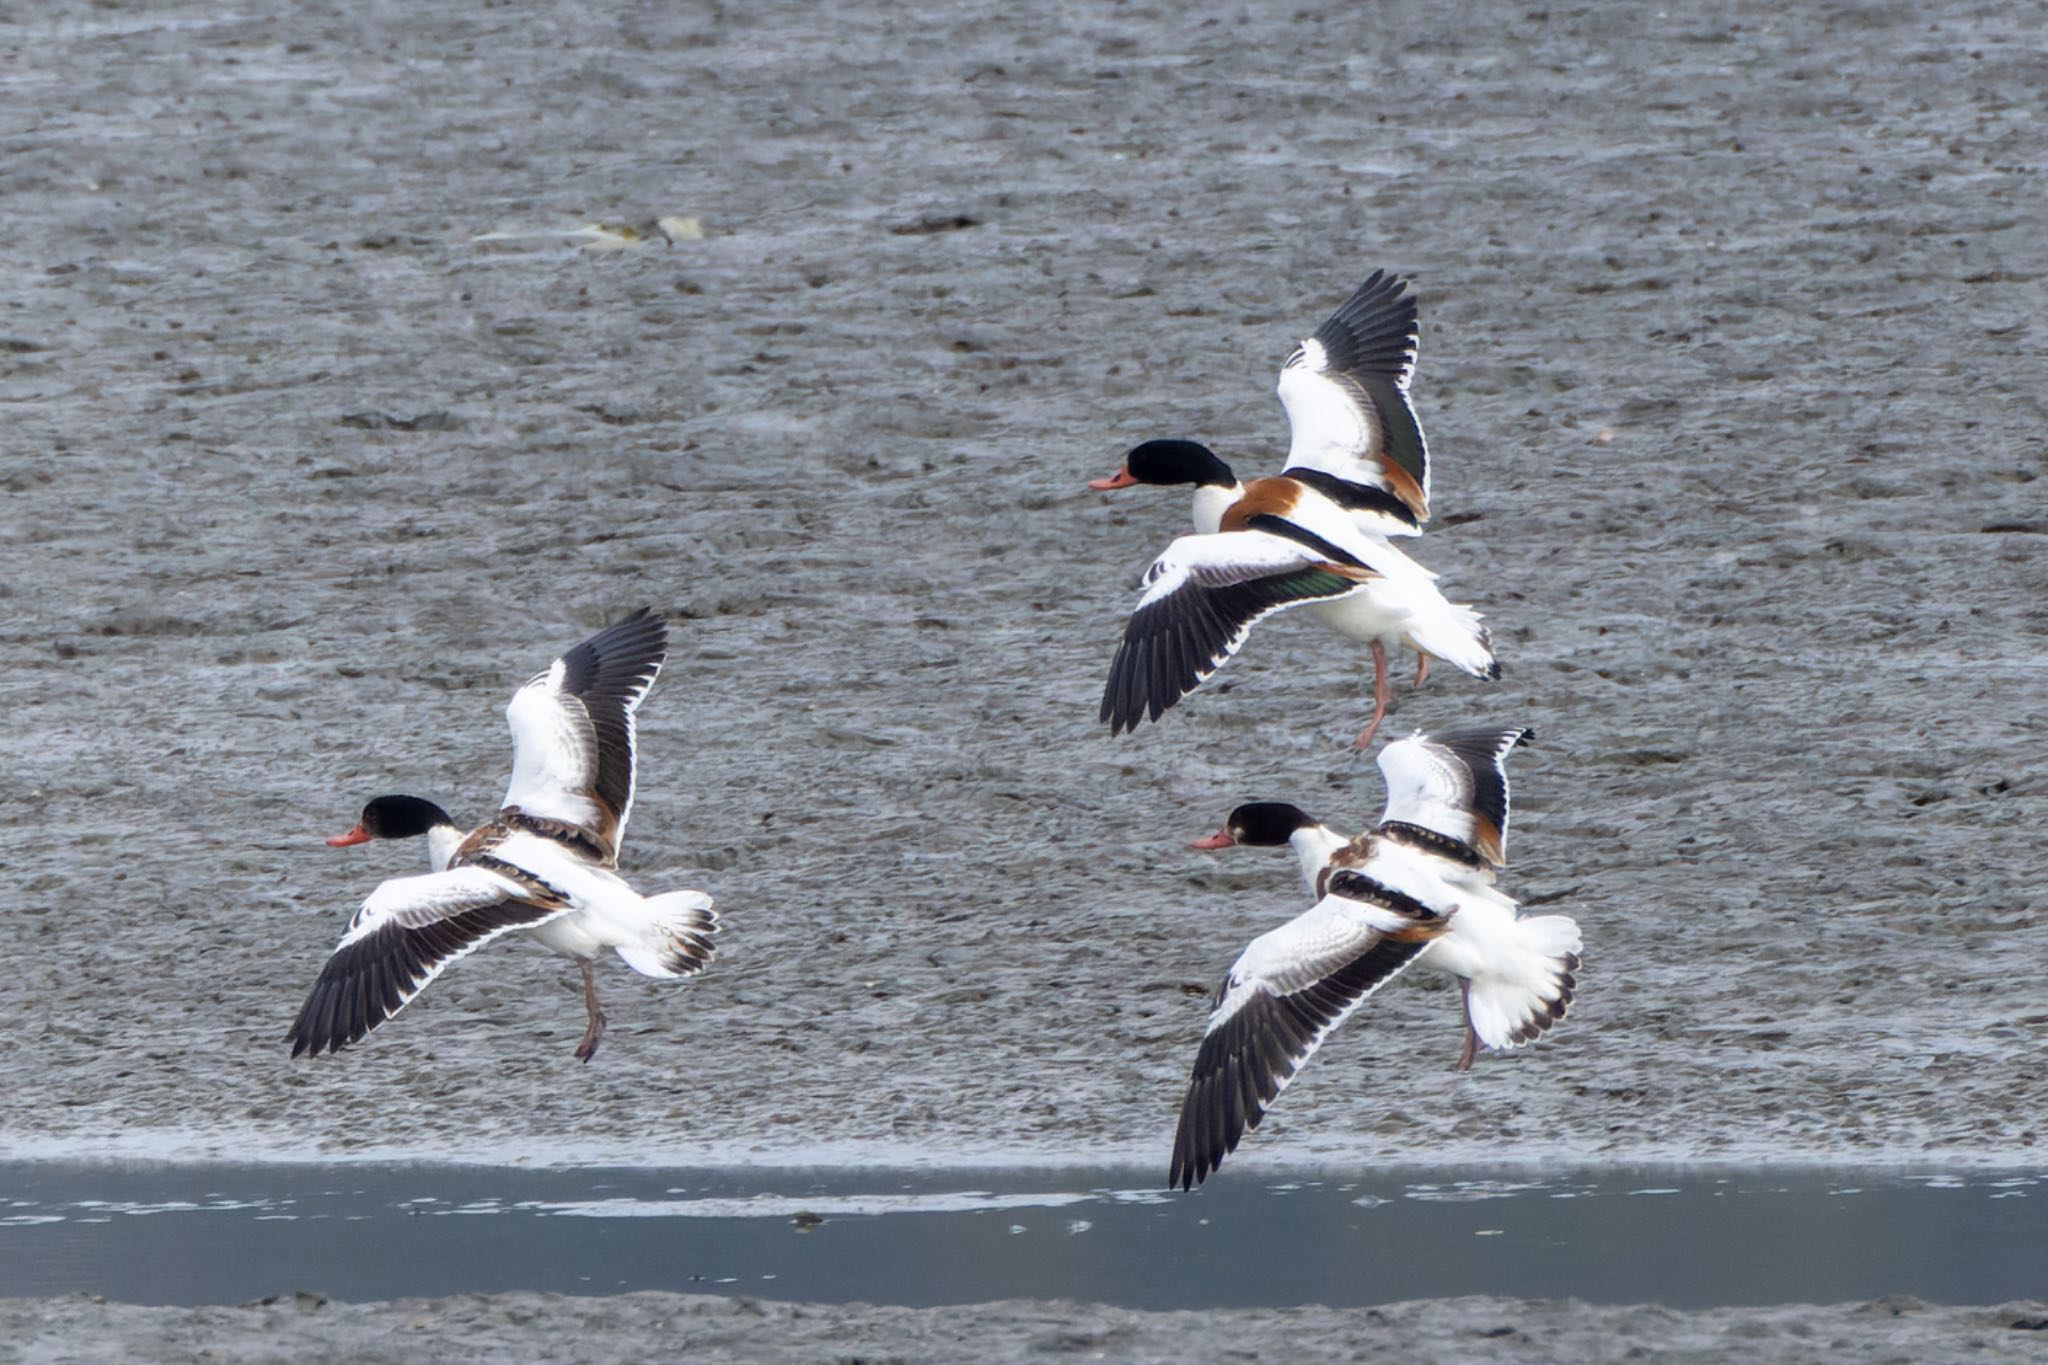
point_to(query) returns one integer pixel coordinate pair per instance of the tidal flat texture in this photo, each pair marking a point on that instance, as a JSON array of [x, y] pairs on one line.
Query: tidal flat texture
[[655, 1326], [1731, 366]]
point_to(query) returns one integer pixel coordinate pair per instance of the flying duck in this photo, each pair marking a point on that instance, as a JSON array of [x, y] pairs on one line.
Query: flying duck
[[1446, 818], [546, 863], [1357, 472]]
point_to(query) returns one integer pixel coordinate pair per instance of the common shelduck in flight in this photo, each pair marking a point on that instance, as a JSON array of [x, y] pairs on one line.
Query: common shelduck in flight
[[1447, 818], [547, 863], [1357, 472]]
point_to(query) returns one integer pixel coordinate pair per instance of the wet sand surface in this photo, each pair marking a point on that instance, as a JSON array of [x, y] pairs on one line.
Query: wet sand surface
[[1731, 368], [561, 1328]]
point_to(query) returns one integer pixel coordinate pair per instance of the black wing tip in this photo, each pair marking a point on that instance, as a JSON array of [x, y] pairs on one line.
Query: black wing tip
[[1484, 752], [621, 660], [308, 1037], [643, 628], [1382, 286], [1142, 685], [1374, 330], [1483, 746]]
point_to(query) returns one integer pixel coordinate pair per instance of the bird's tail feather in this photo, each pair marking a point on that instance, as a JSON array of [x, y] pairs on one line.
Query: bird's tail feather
[[678, 937]]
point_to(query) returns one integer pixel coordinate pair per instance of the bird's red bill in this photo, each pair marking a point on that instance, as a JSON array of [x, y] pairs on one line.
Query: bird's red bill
[[1220, 839], [1121, 479], [358, 835]]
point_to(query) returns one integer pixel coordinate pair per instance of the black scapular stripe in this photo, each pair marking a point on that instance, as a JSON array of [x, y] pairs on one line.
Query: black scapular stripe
[[545, 827], [1353, 497], [1287, 530], [1431, 841], [1354, 885]]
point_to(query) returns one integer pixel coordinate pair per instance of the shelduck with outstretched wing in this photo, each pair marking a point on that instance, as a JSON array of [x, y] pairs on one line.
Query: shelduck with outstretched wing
[[1357, 472], [1446, 820], [547, 863]]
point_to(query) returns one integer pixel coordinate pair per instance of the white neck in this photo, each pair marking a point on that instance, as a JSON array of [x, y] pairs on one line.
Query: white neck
[[1211, 503], [1314, 846], [442, 841]]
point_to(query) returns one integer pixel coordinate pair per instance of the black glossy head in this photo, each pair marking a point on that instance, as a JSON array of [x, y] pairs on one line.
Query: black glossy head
[[1259, 824], [1171, 462], [394, 817], [1267, 824]]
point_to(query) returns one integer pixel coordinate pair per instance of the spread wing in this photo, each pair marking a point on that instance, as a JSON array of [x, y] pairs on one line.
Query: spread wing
[[1453, 784], [408, 930], [572, 730], [1283, 996], [1202, 598], [1355, 436]]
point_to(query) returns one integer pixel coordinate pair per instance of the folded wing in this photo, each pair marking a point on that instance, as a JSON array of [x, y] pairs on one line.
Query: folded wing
[[1202, 598], [572, 730], [406, 933], [1355, 435]]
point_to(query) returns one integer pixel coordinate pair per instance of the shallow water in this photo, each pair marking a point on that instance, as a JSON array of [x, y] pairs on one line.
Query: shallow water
[[1684, 1238]]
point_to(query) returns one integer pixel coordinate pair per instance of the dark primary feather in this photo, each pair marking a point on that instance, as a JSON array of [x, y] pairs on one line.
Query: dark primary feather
[[1243, 1063], [609, 673], [1373, 331], [1484, 754], [1173, 644], [366, 982], [1370, 341]]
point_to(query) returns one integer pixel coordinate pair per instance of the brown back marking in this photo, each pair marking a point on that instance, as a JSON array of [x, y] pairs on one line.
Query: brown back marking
[[1273, 497]]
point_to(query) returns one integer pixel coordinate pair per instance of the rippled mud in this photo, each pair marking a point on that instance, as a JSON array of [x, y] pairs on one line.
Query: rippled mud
[[1732, 322], [562, 1328]]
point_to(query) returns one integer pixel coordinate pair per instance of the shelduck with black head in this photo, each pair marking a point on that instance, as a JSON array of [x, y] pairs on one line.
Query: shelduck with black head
[[1446, 818], [547, 863], [1316, 535]]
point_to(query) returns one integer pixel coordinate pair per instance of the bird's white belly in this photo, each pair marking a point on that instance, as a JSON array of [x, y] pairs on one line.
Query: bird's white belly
[[1365, 615], [1482, 935], [571, 935]]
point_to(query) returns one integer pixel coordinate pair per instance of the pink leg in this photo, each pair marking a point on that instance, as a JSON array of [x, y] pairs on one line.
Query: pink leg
[[1381, 693], [1421, 668], [1471, 1034], [594, 1034]]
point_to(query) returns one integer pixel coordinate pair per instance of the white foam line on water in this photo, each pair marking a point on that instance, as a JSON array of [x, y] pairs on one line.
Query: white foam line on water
[[262, 1145], [825, 1206]]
